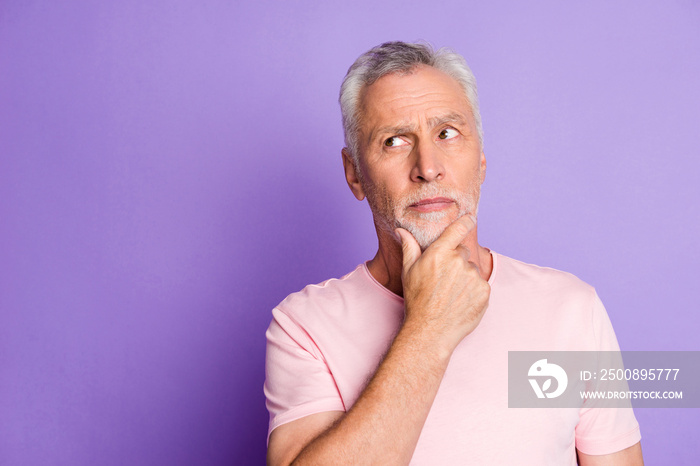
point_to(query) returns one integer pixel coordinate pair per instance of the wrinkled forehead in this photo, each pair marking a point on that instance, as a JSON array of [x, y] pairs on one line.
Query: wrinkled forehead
[[399, 98]]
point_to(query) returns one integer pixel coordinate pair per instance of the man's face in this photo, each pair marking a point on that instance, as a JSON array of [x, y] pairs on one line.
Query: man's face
[[421, 164]]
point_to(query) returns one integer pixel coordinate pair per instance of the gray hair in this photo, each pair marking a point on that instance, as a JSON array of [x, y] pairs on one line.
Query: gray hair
[[403, 58]]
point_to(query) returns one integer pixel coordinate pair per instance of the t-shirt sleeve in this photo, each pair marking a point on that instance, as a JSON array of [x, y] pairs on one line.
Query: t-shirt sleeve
[[298, 381], [602, 431]]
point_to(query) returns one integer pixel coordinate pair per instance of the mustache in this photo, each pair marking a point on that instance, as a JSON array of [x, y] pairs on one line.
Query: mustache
[[430, 191]]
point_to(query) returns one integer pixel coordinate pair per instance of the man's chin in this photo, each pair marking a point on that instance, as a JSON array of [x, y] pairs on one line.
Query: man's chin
[[429, 226], [425, 235]]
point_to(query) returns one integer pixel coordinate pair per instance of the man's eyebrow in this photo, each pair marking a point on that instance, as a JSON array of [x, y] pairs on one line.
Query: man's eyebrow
[[454, 117], [433, 122], [398, 129]]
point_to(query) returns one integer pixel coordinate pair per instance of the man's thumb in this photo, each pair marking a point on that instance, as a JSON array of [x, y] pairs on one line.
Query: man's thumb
[[410, 247]]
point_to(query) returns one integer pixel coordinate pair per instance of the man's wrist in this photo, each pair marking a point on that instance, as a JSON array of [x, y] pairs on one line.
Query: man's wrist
[[428, 344]]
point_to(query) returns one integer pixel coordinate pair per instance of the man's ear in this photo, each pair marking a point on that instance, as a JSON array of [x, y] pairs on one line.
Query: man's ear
[[351, 175], [482, 166]]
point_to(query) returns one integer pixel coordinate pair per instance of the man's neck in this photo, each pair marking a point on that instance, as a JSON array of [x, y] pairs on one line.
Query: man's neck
[[387, 264]]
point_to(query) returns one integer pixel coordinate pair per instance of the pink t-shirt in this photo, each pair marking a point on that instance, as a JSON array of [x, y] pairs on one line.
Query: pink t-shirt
[[326, 341]]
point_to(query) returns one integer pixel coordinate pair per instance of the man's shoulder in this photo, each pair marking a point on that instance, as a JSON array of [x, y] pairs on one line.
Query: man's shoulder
[[536, 277], [330, 293]]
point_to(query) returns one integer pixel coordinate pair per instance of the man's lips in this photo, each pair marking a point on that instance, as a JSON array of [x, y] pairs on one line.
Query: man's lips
[[432, 204]]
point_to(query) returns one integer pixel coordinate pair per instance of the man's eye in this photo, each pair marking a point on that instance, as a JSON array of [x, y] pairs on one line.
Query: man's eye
[[394, 141], [447, 133]]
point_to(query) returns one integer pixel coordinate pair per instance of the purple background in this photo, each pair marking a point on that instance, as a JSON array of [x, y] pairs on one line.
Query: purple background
[[170, 170]]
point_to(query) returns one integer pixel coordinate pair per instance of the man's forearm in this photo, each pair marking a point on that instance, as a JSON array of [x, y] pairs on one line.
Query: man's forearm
[[385, 423], [444, 299]]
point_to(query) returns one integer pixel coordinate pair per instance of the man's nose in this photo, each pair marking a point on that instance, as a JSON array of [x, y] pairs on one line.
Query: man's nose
[[427, 163]]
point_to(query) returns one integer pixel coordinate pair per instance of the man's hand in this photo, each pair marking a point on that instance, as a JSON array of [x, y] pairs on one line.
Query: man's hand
[[445, 296]]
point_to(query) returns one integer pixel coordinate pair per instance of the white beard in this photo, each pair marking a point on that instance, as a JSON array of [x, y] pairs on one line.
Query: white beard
[[428, 226]]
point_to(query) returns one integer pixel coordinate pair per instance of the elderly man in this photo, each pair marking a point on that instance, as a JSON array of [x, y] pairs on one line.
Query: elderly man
[[404, 360]]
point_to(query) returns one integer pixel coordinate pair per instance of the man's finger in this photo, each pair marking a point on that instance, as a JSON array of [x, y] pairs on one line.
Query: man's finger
[[455, 233], [410, 247], [464, 251]]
